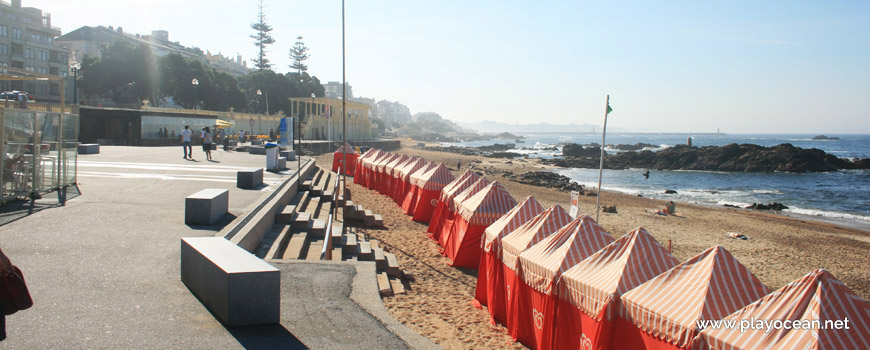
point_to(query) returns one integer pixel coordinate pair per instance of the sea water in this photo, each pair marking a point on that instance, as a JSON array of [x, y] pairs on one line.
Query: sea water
[[841, 194]]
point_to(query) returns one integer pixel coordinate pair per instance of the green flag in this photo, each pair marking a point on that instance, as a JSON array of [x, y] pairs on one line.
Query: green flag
[[608, 109]]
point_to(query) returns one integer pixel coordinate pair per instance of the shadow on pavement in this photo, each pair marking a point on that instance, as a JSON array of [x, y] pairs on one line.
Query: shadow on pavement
[[217, 226], [18, 209], [264, 337]]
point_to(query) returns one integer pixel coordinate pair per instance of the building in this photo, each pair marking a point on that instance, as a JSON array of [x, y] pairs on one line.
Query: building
[[321, 118], [91, 40], [28, 41], [333, 89], [394, 113]]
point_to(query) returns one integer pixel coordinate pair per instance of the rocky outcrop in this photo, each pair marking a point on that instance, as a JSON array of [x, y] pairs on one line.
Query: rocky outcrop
[[578, 151], [823, 137], [497, 147], [549, 180], [732, 157]]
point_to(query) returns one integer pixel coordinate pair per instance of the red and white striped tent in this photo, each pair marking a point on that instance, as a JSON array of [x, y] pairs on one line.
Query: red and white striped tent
[[385, 185], [814, 308], [546, 223], [379, 169], [360, 175], [450, 217], [450, 190], [396, 176], [663, 313], [473, 216], [410, 200], [338, 156], [369, 168], [490, 257], [589, 291], [427, 188], [534, 311], [404, 178]]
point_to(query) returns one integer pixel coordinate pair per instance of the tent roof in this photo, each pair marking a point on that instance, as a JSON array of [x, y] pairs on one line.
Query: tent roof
[[466, 193], [422, 170], [507, 223], [487, 205], [709, 286], [345, 148], [370, 162], [595, 282], [543, 263], [391, 165], [433, 179], [381, 164], [447, 192], [371, 152], [532, 232], [817, 296], [411, 166]]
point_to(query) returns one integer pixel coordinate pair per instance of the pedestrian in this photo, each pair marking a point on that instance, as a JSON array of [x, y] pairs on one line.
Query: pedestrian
[[271, 134], [185, 142], [173, 135], [459, 164], [206, 142]]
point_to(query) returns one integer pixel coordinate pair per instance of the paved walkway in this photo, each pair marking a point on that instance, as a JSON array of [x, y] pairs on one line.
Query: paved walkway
[[104, 269]]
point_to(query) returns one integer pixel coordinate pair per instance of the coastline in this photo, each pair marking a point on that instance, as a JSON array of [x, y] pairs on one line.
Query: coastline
[[781, 246]]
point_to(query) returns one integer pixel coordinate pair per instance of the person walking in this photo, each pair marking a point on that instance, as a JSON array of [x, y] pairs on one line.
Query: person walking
[[185, 142], [206, 142]]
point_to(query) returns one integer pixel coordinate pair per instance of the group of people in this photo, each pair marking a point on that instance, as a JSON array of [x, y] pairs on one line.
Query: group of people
[[207, 141], [163, 133]]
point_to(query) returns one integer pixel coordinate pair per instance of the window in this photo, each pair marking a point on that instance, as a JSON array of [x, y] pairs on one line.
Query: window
[[54, 89], [4, 30], [30, 53], [16, 33], [4, 49], [43, 55], [30, 68], [41, 90], [42, 70]]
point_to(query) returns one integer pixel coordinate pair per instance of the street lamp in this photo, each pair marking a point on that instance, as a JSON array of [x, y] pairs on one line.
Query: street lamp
[[259, 93], [195, 83], [75, 69]]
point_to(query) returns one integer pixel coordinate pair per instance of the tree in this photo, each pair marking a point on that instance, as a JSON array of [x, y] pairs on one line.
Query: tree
[[261, 39], [125, 73], [299, 53]]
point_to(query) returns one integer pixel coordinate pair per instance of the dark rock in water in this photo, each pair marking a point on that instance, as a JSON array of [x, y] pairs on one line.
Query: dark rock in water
[[823, 137], [730, 206], [575, 150], [860, 163], [549, 180], [504, 155], [670, 192], [497, 147], [609, 209], [772, 206], [635, 147]]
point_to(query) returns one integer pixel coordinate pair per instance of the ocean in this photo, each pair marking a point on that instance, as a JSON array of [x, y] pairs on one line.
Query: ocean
[[839, 195]]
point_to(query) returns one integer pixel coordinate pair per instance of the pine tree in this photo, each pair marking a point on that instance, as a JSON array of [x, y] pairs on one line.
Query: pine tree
[[299, 53], [261, 39]]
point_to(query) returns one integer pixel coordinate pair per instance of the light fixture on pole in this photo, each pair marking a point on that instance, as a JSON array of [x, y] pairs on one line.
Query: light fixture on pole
[[195, 83], [75, 69]]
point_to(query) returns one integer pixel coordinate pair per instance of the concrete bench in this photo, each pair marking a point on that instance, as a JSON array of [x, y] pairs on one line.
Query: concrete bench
[[89, 148], [256, 142], [257, 150], [207, 206], [236, 286], [282, 164], [288, 155], [249, 178]]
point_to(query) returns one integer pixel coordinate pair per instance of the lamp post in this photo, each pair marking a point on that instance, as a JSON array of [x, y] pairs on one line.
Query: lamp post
[[75, 69], [195, 83], [259, 93]]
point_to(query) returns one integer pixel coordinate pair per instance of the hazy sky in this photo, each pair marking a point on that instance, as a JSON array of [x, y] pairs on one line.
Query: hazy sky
[[683, 66]]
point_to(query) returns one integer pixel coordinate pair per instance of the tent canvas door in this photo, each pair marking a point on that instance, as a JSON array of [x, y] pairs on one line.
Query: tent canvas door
[[427, 189], [447, 194]]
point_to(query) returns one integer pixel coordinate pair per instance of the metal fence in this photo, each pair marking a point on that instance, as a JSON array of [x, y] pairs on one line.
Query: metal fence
[[39, 152]]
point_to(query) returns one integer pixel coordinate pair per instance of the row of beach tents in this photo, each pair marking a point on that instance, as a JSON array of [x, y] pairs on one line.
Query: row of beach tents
[[558, 282]]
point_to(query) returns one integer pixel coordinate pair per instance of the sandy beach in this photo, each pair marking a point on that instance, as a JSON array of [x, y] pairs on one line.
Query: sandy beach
[[779, 250]]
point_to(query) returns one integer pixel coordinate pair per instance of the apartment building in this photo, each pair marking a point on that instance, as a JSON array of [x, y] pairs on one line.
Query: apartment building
[[27, 41]]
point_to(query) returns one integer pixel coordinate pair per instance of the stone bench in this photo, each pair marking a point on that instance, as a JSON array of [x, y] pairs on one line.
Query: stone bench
[[288, 155], [89, 148], [257, 150], [206, 207], [236, 286], [256, 142], [282, 164], [249, 178]]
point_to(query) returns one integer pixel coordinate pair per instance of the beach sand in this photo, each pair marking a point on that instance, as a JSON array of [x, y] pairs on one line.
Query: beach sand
[[779, 250]]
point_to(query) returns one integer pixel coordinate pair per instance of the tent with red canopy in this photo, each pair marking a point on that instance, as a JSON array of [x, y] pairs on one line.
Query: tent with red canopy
[[500, 298], [427, 187], [450, 216], [473, 216], [387, 180], [447, 193], [663, 313], [812, 312], [369, 168], [360, 175], [490, 257], [379, 169], [338, 156], [403, 179], [533, 314], [589, 291], [410, 200]]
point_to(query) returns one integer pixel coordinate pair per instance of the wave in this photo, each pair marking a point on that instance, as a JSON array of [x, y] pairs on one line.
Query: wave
[[828, 214]]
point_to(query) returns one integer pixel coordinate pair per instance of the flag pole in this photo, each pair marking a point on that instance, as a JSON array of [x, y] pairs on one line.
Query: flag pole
[[601, 164]]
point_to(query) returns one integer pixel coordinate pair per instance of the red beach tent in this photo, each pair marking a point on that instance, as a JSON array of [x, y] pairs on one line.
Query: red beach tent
[[534, 310], [450, 216], [338, 156], [662, 313], [403, 180], [360, 175], [589, 291], [369, 168], [427, 188], [410, 200], [546, 223], [473, 216], [379, 169], [815, 307], [490, 257], [385, 185], [448, 191]]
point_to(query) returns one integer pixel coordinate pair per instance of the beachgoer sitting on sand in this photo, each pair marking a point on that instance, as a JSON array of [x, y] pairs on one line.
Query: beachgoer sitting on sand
[[670, 209]]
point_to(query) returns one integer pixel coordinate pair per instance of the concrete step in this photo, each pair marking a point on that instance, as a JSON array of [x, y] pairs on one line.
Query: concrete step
[[318, 228], [378, 220], [364, 251], [313, 206], [280, 244], [296, 247], [286, 214], [336, 234], [269, 240], [348, 244], [384, 286], [392, 265], [380, 260], [315, 247], [336, 254], [301, 221], [396, 284]]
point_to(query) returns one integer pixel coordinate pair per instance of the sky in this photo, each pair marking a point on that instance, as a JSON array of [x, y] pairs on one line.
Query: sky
[[668, 66]]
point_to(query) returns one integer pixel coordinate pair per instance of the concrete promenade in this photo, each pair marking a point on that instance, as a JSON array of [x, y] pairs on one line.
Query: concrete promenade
[[104, 269]]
